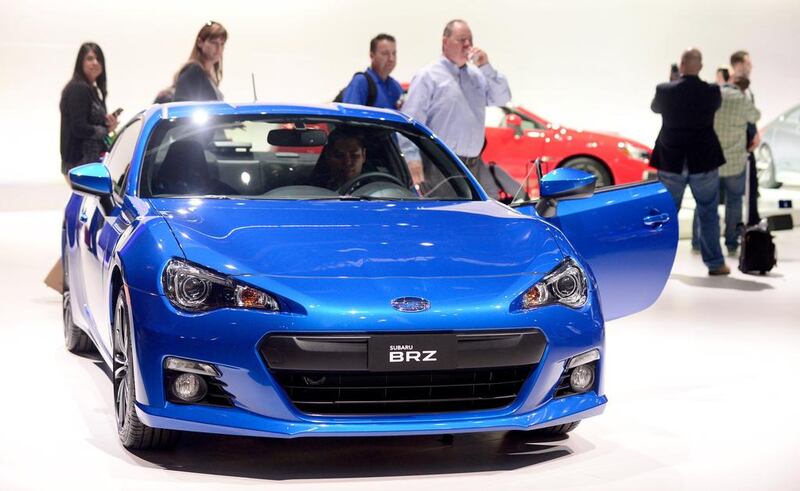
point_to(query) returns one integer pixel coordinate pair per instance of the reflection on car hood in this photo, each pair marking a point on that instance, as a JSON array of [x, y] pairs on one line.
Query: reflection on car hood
[[368, 240]]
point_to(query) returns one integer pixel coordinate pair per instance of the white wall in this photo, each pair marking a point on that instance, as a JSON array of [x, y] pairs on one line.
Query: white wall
[[590, 64]]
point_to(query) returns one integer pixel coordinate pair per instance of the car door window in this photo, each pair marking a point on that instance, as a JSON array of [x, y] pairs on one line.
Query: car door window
[[527, 123], [119, 160]]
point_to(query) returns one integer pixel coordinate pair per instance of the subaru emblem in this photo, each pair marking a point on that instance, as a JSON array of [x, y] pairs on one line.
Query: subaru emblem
[[410, 304]]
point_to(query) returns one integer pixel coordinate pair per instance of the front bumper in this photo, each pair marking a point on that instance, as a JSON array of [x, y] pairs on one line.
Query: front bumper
[[242, 423], [231, 341]]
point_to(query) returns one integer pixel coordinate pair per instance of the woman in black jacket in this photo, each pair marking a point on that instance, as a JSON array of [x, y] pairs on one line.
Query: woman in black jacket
[[85, 123], [199, 78]]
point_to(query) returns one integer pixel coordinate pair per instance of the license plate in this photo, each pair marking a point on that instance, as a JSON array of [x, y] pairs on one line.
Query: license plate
[[414, 352]]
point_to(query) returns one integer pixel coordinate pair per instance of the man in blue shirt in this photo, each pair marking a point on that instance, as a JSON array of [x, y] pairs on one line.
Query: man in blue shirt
[[386, 90], [450, 97]]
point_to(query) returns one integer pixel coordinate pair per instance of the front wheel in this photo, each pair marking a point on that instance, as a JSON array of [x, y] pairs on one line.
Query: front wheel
[[131, 431], [594, 168], [75, 339]]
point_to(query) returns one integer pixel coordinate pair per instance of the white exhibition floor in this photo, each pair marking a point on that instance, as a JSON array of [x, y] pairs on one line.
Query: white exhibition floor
[[701, 391]]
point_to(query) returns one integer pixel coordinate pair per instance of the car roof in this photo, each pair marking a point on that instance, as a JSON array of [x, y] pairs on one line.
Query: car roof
[[336, 110]]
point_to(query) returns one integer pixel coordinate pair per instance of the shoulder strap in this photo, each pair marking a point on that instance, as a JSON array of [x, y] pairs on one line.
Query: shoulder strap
[[372, 90], [340, 96]]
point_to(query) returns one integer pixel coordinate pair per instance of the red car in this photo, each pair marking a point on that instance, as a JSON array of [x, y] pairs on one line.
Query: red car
[[515, 136]]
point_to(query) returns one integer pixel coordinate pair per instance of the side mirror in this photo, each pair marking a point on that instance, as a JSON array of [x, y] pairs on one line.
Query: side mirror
[[92, 179], [560, 184], [515, 122]]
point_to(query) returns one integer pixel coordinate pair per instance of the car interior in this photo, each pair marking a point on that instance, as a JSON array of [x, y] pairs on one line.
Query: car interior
[[277, 161]]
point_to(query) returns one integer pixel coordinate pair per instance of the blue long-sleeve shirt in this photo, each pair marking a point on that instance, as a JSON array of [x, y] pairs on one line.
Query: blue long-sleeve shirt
[[452, 102]]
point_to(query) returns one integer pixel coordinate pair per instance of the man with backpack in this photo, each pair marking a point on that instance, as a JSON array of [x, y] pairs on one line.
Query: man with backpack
[[374, 87]]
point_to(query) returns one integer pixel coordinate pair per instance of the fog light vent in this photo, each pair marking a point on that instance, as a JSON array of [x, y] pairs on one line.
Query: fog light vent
[[194, 382], [579, 374]]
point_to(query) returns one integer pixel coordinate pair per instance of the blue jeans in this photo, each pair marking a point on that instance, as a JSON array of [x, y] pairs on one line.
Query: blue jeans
[[705, 189], [733, 187]]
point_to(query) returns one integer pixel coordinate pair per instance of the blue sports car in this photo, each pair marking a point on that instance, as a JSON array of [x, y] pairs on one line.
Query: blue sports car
[[287, 271]]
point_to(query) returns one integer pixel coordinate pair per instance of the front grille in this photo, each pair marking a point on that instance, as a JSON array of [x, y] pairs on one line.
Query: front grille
[[353, 393], [562, 387], [345, 373]]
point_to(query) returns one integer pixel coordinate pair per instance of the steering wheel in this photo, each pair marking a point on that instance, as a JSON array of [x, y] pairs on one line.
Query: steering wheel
[[358, 181]]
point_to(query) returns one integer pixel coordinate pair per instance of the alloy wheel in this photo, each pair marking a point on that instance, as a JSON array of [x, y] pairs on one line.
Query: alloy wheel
[[121, 364], [66, 308]]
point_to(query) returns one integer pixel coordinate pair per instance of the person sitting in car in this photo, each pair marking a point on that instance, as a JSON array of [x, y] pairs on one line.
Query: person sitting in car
[[341, 160]]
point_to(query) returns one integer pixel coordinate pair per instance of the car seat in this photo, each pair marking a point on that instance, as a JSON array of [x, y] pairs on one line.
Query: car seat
[[184, 170]]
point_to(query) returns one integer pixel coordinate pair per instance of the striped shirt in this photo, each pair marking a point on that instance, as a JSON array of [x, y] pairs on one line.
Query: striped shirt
[[730, 124]]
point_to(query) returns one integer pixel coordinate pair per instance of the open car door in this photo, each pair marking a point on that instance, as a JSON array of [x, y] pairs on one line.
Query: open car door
[[628, 235]]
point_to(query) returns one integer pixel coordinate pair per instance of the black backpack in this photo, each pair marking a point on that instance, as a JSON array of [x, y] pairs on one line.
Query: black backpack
[[165, 95], [758, 251], [372, 90]]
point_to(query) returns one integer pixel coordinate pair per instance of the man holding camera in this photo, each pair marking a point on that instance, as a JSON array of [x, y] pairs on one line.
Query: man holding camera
[[687, 150]]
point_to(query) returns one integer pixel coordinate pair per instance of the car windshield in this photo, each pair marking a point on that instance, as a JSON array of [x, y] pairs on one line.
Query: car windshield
[[255, 157]]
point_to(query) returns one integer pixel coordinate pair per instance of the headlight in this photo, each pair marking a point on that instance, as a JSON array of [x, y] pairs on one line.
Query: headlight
[[195, 289], [634, 152], [565, 285]]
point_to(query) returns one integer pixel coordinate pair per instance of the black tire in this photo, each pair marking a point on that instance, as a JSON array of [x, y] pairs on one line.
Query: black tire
[[133, 434], [75, 339], [766, 177], [592, 166], [559, 430]]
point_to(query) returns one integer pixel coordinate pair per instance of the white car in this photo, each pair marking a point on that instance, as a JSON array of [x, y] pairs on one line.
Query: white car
[[778, 155]]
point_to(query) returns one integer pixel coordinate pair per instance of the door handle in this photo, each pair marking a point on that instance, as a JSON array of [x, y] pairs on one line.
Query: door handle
[[83, 217], [657, 220]]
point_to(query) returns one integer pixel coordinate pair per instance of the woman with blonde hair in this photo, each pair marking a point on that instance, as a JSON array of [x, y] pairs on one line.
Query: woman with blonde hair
[[199, 78]]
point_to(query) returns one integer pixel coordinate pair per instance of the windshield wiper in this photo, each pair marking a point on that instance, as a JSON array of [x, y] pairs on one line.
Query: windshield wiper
[[350, 197], [214, 196]]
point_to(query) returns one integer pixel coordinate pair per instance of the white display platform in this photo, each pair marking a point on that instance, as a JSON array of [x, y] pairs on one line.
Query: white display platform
[[700, 386]]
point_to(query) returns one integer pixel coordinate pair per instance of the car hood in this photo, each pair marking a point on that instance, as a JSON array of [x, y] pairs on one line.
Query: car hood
[[347, 239], [604, 137]]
